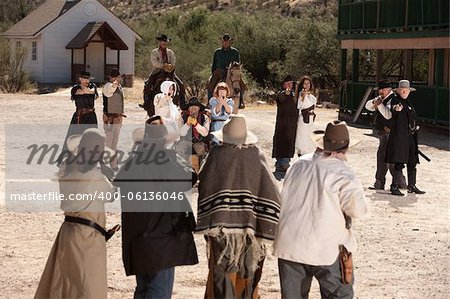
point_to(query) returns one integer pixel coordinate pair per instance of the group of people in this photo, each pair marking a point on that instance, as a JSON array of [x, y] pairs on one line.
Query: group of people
[[294, 121], [241, 212], [396, 127]]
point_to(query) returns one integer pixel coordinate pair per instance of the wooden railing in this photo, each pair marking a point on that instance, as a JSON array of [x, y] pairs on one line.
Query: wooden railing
[[366, 16]]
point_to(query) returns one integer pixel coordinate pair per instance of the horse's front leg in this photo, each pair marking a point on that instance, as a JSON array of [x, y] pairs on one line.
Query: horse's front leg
[[236, 104]]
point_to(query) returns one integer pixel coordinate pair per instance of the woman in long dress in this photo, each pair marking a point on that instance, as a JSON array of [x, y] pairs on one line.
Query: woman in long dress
[[305, 125], [221, 108], [76, 266], [167, 111]]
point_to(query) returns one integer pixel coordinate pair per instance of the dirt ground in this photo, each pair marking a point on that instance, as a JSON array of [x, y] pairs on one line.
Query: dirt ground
[[403, 245]]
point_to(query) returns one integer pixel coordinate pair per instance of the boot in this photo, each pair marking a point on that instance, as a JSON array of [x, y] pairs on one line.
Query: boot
[[414, 189], [396, 191]]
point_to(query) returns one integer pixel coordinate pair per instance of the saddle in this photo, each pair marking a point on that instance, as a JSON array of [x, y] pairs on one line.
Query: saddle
[[216, 77]]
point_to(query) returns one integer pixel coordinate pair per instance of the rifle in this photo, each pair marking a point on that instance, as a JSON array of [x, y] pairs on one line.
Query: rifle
[[416, 137], [423, 155]]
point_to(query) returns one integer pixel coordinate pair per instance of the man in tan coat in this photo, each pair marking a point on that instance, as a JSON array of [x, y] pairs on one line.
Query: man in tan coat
[[76, 266]]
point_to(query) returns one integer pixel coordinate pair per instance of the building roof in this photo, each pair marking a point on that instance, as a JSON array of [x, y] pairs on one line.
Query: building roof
[[107, 34], [44, 15], [40, 18]]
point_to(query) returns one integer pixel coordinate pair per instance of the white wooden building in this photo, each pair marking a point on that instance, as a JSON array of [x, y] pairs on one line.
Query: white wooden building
[[65, 37]]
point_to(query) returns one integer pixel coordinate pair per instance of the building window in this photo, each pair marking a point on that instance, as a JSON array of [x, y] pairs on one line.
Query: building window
[[18, 44], [34, 51]]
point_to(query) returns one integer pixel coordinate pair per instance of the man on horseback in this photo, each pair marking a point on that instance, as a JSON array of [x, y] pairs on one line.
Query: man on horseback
[[162, 58], [221, 60], [163, 62]]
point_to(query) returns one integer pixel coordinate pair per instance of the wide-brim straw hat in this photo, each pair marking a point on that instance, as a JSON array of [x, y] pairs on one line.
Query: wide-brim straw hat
[[90, 141], [336, 137], [405, 84], [234, 131]]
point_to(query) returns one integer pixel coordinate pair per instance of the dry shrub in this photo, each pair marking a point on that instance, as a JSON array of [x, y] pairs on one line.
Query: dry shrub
[[12, 76]]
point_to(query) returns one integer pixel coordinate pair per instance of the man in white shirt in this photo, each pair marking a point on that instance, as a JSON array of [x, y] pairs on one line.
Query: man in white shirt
[[319, 193], [113, 104], [162, 60]]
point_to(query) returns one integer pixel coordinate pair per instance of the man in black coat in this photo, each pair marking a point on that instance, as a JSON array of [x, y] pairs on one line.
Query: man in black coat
[[285, 126], [402, 145], [157, 219], [381, 106]]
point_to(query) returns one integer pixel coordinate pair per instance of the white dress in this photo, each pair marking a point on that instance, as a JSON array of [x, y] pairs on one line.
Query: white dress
[[303, 142]]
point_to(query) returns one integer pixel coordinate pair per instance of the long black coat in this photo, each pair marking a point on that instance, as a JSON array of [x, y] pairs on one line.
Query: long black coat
[[285, 126], [401, 147], [154, 241]]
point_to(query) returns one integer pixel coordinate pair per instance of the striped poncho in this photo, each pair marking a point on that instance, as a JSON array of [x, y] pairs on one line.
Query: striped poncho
[[237, 193]]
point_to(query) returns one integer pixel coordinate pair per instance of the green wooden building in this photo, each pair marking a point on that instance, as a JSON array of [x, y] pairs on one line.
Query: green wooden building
[[417, 32]]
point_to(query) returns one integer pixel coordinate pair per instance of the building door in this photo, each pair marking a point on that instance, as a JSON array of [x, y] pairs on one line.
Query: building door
[[95, 61]]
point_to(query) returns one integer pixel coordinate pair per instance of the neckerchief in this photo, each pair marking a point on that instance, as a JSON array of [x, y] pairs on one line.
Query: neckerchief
[[164, 55]]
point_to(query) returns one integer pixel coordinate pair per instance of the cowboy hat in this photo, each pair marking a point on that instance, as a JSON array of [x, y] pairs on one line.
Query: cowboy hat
[[91, 142], [288, 78], [405, 84], [383, 84], [85, 74], [153, 133], [163, 37], [195, 102], [335, 137], [234, 131], [226, 37], [114, 72]]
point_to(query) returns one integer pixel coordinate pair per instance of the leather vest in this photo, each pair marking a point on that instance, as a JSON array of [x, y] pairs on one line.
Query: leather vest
[[114, 104]]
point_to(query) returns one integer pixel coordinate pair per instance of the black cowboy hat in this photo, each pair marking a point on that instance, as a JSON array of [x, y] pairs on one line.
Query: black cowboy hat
[[85, 74], [114, 72], [226, 37], [383, 84], [288, 78], [163, 37], [195, 102]]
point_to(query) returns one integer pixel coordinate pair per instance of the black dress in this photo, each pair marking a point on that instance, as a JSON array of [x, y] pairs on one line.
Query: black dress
[[285, 126], [84, 116]]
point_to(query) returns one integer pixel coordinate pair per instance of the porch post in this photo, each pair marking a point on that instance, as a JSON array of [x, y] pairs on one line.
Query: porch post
[[355, 65], [118, 59], [439, 69], [72, 75], [408, 64], [379, 66], [343, 64]]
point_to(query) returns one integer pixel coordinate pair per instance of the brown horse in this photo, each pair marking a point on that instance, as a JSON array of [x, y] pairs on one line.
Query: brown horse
[[236, 84], [152, 87], [233, 77]]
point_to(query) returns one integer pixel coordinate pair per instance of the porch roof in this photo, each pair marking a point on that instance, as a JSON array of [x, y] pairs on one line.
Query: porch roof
[[107, 34]]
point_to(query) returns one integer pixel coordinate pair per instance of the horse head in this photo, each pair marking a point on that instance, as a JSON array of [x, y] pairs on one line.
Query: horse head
[[234, 76]]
